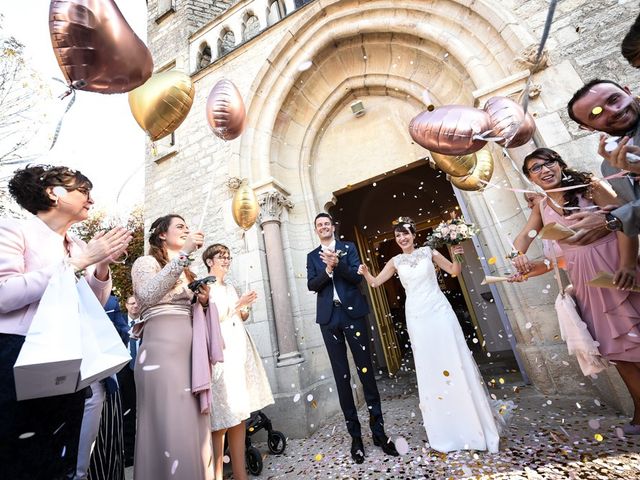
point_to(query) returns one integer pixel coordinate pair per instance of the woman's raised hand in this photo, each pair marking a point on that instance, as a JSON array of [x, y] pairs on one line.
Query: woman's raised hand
[[193, 242], [247, 299], [363, 269]]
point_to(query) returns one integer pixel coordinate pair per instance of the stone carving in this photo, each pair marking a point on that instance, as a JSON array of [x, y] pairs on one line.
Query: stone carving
[[272, 204], [527, 59]]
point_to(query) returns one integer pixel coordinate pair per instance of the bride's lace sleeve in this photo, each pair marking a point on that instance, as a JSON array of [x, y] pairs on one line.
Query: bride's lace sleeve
[[150, 283]]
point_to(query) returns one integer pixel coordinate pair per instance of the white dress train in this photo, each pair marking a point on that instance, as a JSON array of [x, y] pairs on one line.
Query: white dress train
[[456, 409]]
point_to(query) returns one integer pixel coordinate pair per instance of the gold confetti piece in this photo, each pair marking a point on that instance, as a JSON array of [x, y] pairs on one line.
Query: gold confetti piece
[[314, 404], [491, 261], [364, 370], [357, 334], [318, 457], [501, 380], [597, 110], [251, 429], [446, 373], [598, 437]]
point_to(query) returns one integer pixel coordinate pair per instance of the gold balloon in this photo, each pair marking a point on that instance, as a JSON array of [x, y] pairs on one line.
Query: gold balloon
[[162, 103], [244, 207], [457, 166], [482, 171]]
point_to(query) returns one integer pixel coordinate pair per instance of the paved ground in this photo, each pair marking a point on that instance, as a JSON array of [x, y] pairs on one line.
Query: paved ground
[[550, 437]]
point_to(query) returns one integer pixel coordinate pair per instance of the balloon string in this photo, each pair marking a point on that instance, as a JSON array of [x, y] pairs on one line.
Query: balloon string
[[71, 90], [543, 41], [124, 184], [499, 224], [205, 207]]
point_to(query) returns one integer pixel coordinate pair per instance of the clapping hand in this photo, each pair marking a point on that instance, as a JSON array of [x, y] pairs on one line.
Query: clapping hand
[[246, 300], [105, 248], [329, 258]]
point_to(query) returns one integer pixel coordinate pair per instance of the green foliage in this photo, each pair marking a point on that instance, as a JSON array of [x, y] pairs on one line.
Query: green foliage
[[121, 273]]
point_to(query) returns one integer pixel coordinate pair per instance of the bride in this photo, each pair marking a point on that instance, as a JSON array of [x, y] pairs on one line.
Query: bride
[[456, 409]]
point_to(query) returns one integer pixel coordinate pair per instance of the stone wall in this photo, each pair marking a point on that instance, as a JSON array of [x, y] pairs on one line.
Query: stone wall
[[584, 42]]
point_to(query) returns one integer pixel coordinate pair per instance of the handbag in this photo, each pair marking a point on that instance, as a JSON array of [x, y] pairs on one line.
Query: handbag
[[49, 361], [103, 352], [574, 331]]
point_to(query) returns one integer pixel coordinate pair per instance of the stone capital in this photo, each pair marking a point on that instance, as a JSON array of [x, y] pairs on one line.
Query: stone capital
[[272, 204]]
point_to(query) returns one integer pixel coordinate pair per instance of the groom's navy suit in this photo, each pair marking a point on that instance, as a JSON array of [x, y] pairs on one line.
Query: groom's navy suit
[[342, 321]]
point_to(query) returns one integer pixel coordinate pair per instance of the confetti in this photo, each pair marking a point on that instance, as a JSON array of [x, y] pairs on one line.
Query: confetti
[[318, 457], [491, 260], [445, 373], [598, 437], [596, 110], [364, 370], [532, 233], [402, 446], [296, 397]]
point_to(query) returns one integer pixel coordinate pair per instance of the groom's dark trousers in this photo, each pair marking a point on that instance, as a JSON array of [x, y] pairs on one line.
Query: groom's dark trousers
[[342, 322]]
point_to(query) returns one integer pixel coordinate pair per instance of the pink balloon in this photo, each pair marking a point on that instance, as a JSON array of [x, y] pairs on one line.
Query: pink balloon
[[451, 129], [509, 122], [225, 110], [96, 48]]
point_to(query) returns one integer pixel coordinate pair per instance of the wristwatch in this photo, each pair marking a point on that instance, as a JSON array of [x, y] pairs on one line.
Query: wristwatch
[[612, 223]]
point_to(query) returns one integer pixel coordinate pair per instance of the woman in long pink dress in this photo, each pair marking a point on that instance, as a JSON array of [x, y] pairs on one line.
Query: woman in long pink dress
[[612, 315]]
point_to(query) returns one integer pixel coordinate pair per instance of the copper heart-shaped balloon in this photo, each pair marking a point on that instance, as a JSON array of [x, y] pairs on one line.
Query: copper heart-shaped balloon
[[96, 48], [162, 103], [456, 166], [450, 129], [225, 110], [482, 172], [509, 122], [244, 207]]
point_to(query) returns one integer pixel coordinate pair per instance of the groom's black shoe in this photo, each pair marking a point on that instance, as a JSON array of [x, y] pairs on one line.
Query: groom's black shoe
[[357, 449], [385, 444]]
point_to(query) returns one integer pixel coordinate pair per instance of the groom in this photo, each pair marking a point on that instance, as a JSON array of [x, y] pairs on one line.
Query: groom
[[332, 272]]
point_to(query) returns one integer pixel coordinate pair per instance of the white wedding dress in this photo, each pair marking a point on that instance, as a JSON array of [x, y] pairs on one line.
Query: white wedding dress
[[456, 409]]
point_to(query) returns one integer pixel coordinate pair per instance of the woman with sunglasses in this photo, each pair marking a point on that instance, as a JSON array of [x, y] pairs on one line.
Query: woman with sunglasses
[[39, 437], [612, 315], [239, 384]]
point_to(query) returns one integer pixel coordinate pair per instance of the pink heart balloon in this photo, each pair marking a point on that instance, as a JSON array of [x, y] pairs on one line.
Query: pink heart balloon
[[509, 122], [96, 48], [225, 110], [450, 129]]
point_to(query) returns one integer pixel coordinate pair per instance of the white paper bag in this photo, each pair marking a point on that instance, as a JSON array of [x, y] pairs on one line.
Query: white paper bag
[[50, 358], [103, 352]]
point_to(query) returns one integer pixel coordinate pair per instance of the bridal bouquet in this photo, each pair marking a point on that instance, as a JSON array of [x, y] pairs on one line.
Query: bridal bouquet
[[452, 232]]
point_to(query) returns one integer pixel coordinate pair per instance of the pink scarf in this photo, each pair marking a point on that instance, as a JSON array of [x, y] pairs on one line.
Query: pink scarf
[[206, 350]]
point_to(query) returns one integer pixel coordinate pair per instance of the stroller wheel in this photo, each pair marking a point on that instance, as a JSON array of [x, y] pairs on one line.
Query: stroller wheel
[[254, 460], [277, 442]]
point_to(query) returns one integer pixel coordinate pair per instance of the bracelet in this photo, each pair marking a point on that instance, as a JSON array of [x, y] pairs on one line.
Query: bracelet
[[513, 254], [184, 259], [245, 309]]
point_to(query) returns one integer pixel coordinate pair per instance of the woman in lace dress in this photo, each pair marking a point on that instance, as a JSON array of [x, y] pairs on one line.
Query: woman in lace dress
[[239, 385], [172, 438], [612, 315], [455, 405]]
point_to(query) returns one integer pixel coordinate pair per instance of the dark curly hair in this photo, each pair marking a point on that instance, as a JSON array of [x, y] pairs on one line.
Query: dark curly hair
[[28, 186], [570, 177], [157, 247]]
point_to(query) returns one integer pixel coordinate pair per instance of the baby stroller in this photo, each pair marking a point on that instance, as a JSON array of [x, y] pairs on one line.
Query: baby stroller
[[276, 441]]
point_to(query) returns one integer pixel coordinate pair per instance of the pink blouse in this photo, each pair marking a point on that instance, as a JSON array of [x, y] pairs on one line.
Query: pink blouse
[[29, 254]]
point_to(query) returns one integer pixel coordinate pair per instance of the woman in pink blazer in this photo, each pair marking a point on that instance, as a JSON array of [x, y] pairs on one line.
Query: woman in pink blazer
[[39, 437]]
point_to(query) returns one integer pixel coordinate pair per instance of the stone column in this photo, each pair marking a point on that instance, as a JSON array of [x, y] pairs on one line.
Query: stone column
[[272, 204]]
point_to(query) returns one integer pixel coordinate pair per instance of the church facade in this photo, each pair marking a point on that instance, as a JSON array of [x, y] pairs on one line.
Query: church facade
[[330, 87]]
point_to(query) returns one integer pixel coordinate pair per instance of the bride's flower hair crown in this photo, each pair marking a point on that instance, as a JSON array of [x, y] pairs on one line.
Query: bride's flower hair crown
[[404, 224]]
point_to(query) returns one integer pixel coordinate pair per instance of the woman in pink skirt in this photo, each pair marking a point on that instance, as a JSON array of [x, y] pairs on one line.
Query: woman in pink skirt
[[612, 315]]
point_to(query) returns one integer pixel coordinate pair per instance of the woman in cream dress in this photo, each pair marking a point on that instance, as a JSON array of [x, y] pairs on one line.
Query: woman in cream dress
[[239, 385]]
